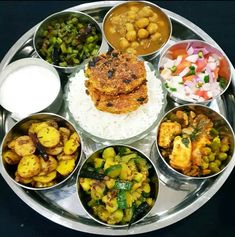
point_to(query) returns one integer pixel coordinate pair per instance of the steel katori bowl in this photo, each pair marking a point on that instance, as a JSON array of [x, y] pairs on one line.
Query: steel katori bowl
[[144, 42], [181, 97], [207, 139], [90, 179], [23, 128], [66, 37]]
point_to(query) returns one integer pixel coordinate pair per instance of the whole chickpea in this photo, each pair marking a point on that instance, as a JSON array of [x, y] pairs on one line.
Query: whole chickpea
[[129, 26], [146, 12], [135, 44], [131, 15], [124, 43], [143, 34], [131, 35], [131, 51], [142, 22], [152, 28], [156, 36], [134, 8], [154, 17]]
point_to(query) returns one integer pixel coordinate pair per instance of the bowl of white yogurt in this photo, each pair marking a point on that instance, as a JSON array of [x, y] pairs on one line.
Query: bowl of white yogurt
[[29, 86]]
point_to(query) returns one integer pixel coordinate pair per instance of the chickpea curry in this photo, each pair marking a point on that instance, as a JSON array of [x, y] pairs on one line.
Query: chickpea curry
[[137, 28], [194, 144], [44, 155], [117, 185]]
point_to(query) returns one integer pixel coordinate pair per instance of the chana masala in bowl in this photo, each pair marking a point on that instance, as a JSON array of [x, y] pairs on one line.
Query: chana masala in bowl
[[141, 28]]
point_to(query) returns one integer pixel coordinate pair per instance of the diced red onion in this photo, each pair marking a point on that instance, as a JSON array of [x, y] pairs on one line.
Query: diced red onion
[[208, 70], [190, 84], [190, 50], [192, 58], [184, 72]]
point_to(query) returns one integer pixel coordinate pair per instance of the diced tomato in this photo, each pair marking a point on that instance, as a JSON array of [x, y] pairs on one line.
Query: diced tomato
[[203, 94], [201, 64], [224, 69], [177, 52], [189, 78], [182, 66]]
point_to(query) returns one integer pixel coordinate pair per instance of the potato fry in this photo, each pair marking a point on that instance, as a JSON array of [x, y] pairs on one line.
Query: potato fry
[[11, 157], [65, 167], [67, 157], [11, 144], [24, 146], [35, 127], [45, 178], [48, 166], [72, 144], [48, 136], [19, 179], [54, 151], [29, 166], [65, 133]]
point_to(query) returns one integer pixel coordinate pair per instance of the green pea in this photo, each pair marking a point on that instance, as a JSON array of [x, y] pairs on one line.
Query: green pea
[[211, 157], [222, 156], [213, 166], [215, 145], [224, 148], [218, 162], [206, 151], [206, 159], [204, 165]]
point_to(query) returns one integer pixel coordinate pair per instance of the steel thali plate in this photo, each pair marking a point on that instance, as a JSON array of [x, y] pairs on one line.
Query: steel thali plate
[[177, 199]]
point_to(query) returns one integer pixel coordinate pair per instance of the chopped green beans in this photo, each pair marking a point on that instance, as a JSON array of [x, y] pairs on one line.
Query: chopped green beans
[[68, 42]]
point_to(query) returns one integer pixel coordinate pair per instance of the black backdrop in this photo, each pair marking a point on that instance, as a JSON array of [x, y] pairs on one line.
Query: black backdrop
[[216, 217]]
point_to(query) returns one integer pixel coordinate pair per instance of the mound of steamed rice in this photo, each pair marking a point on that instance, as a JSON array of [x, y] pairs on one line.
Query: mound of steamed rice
[[113, 126]]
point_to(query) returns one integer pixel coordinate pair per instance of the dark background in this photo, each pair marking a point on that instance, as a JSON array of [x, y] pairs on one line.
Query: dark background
[[216, 217]]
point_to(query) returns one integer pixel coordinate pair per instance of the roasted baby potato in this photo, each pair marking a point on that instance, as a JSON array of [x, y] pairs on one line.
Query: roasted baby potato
[[72, 144]]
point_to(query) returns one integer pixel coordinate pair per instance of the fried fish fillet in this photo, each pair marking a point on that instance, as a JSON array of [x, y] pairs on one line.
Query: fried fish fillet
[[118, 104], [115, 73]]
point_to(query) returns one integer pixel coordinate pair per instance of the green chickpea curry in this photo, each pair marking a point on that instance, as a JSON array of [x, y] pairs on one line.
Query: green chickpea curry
[[137, 28], [194, 143], [118, 186]]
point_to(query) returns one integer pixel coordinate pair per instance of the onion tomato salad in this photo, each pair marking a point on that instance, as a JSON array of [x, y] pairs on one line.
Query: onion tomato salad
[[195, 73]]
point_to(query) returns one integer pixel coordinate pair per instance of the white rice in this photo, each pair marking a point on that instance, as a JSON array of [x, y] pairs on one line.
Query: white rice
[[114, 126]]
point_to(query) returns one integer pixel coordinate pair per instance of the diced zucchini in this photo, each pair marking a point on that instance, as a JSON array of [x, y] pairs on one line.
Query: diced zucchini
[[126, 158], [113, 171], [123, 185]]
